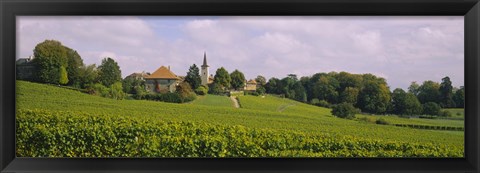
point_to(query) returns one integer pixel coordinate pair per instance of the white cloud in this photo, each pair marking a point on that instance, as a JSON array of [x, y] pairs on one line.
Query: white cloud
[[401, 49]]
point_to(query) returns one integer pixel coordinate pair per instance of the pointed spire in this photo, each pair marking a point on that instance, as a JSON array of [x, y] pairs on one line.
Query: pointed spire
[[204, 59]]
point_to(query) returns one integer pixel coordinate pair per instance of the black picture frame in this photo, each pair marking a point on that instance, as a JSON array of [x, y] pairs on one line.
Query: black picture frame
[[470, 9]]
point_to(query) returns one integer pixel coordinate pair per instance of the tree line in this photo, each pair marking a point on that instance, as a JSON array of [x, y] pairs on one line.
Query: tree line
[[369, 93]]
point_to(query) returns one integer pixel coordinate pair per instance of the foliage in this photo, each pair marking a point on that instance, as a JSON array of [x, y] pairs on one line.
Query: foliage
[[374, 97], [63, 76], [98, 126], [193, 77], [345, 110], [186, 93], [349, 95], [382, 121], [261, 90], [116, 91], [99, 90], [215, 89], [414, 88], [50, 56], [459, 97], [222, 79], [88, 75], [201, 90], [429, 92], [446, 94], [237, 80], [109, 72], [130, 83], [431, 108], [405, 103], [261, 80], [75, 62]]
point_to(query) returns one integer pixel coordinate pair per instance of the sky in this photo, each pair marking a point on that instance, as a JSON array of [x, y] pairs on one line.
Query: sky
[[400, 49]]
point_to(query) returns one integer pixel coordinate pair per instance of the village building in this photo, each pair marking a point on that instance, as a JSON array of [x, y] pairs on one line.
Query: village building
[[162, 80], [25, 68], [138, 76], [204, 74], [250, 85]]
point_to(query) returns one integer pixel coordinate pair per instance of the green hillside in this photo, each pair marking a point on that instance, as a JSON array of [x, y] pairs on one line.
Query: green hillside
[[213, 100], [270, 126]]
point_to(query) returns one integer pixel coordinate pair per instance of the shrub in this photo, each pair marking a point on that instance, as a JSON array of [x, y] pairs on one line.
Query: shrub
[[431, 108], [189, 97], [314, 101], [201, 90], [116, 91], [345, 110], [170, 97], [98, 89], [139, 93], [368, 119], [324, 103], [445, 113], [382, 121]]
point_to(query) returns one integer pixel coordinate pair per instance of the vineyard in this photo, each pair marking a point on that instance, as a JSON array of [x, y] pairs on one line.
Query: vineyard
[[57, 122]]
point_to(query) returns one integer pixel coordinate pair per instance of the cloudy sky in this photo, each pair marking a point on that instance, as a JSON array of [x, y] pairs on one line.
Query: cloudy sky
[[400, 49]]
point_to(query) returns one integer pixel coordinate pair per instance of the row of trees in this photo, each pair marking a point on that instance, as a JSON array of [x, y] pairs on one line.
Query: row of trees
[[58, 64], [368, 92]]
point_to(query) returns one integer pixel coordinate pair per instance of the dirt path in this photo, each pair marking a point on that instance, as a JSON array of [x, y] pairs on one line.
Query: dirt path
[[283, 107], [235, 101]]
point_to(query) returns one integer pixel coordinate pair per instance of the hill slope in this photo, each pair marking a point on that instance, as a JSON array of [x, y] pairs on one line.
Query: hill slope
[[302, 122]]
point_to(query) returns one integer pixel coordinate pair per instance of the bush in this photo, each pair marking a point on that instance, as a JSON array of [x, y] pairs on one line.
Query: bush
[[201, 90], [445, 113], [139, 93], [431, 108], [323, 103], [345, 110], [170, 97], [314, 101], [189, 97], [116, 91], [382, 121], [98, 89]]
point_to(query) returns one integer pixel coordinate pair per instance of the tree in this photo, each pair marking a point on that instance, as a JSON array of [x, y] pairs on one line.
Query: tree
[[272, 86], [349, 95], [185, 91], [75, 62], [405, 103], [412, 105], [50, 55], [63, 79], [459, 97], [130, 83], [374, 97], [237, 80], [431, 108], [326, 89], [222, 78], [446, 94], [429, 92], [414, 88], [109, 72], [193, 77], [261, 80], [300, 94], [87, 75], [116, 91], [345, 110]]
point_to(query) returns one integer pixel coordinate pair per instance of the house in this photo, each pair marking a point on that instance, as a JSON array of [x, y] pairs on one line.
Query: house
[[250, 85], [25, 68], [162, 80], [138, 76]]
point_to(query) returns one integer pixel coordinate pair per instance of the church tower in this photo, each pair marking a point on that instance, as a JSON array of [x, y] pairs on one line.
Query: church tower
[[204, 72]]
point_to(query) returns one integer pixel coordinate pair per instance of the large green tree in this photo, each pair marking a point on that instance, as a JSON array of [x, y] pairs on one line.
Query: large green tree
[[459, 97], [374, 97], [88, 75], [50, 56], [222, 78], [193, 77], [405, 103], [109, 72], [414, 88], [429, 92], [261, 80], [349, 95], [75, 62], [238, 79], [446, 94]]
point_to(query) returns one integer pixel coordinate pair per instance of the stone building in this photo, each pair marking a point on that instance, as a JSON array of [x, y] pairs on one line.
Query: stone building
[[25, 69], [162, 80], [250, 85]]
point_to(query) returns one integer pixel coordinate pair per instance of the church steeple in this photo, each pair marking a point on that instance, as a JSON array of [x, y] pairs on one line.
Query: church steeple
[[204, 71], [205, 60]]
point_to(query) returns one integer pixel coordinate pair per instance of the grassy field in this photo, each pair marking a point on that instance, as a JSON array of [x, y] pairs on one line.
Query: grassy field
[[213, 100], [263, 127], [457, 112]]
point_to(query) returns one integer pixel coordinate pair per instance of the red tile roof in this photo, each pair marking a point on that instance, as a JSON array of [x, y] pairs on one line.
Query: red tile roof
[[162, 73]]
